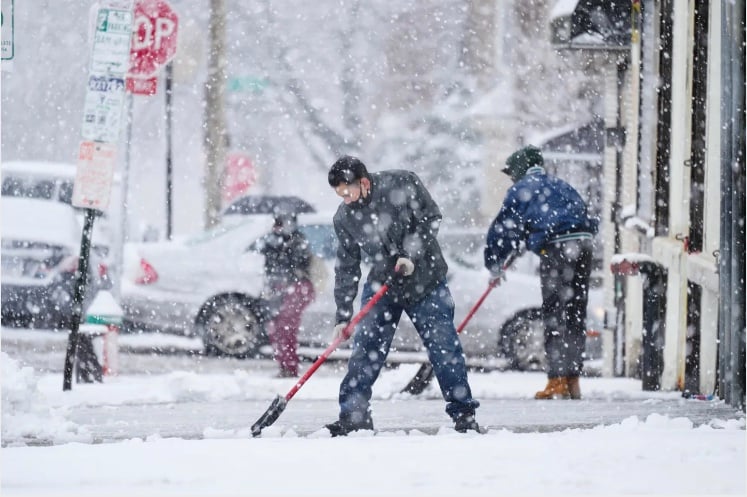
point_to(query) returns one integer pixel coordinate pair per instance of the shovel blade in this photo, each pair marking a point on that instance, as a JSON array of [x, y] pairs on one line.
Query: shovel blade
[[270, 416], [421, 380]]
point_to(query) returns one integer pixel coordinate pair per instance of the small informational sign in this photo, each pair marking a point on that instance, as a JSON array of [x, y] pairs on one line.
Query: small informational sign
[[117, 4], [102, 108], [110, 59], [142, 86], [7, 28], [93, 177], [111, 42]]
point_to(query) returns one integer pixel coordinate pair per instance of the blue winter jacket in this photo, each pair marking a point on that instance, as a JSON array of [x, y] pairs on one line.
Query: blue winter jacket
[[538, 209]]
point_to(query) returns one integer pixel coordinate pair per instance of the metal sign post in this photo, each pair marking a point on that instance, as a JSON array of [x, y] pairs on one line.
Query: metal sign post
[[156, 30], [169, 155], [80, 291], [102, 116]]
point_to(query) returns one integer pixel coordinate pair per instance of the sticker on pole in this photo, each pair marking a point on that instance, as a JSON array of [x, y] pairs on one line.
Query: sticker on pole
[[94, 175], [140, 86], [102, 108]]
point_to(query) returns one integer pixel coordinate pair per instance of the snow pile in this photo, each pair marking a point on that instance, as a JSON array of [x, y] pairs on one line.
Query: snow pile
[[656, 456], [25, 411], [658, 422], [188, 386], [666, 454], [18, 384]]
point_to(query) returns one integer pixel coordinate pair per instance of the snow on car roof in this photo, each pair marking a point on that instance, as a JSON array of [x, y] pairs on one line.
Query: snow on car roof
[[246, 227], [40, 221], [40, 168]]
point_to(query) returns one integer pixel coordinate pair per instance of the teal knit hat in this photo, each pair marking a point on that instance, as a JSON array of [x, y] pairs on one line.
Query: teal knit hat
[[520, 161]]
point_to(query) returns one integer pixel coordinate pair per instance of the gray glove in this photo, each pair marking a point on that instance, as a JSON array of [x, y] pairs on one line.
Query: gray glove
[[497, 275], [405, 266], [338, 331]]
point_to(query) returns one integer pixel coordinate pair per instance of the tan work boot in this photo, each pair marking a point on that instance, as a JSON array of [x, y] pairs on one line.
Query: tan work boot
[[557, 388], [574, 389]]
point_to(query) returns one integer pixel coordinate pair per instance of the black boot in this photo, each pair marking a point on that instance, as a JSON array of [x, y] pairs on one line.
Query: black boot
[[466, 422], [345, 425]]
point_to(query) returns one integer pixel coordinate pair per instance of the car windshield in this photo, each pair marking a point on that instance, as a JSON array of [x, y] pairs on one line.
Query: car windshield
[[28, 188], [322, 239], [213, 233]]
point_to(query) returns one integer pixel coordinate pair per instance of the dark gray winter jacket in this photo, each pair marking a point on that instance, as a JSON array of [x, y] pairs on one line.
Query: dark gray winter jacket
[[398, 218]]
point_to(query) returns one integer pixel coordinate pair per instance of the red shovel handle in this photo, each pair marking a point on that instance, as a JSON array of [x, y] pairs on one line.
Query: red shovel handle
[[278, 405], [484, 295], [493, 283], [477, 305], [337, 341], [423, 376]]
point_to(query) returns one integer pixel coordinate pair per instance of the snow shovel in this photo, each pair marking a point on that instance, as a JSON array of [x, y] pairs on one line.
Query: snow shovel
[[278, 405], [424, 375]]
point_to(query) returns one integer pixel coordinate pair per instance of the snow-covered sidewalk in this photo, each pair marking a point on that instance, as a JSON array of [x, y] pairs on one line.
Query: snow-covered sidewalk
[[184, 433]]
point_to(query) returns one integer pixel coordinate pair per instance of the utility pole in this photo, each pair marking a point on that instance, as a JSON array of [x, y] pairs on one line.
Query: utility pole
[[168, 90], [478, 53], [215, 123]]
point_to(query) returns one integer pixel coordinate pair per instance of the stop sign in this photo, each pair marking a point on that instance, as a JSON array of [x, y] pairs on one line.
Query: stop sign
[[154, 37], [238, 176]]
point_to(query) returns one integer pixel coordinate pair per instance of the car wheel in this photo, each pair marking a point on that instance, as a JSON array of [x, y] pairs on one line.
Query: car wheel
[[231, 325], [522, 341]]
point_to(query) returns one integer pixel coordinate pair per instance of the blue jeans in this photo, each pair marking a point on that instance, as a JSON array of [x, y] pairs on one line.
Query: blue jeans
[[433, 317]]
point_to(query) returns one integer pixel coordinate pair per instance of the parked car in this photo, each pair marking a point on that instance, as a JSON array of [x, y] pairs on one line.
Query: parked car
[[53, 181], [209, 286], [206, 285], [40, 251]]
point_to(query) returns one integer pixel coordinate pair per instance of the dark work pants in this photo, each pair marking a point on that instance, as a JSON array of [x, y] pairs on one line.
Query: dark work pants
[[565, 269]]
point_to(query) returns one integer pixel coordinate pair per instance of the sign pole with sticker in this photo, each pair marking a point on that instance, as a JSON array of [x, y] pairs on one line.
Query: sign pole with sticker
[[100, 131]]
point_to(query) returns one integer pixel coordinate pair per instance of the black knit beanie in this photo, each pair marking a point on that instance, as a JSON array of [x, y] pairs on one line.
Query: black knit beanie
[[520, 161], [347, 169]]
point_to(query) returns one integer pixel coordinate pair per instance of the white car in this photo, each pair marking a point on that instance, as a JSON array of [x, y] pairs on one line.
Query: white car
[[209, 285], [46, 180], [41, 242]]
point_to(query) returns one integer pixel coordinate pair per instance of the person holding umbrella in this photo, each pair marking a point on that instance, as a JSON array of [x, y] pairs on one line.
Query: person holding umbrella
[[288, 288], [390, 217]]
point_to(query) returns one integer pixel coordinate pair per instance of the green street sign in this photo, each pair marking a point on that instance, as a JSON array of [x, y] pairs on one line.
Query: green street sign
[[7, 27], [241, 84]]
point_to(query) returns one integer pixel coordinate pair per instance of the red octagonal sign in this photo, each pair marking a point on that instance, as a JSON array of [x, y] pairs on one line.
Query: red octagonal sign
[[153, 38]]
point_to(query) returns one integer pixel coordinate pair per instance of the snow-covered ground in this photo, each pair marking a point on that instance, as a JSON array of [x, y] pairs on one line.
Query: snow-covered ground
[[655, 453]]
